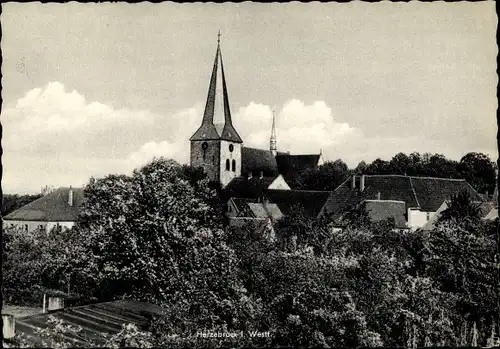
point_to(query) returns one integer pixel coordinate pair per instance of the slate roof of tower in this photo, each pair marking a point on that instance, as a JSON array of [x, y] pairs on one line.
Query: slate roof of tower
[[208, 130], [53, 207], [311, 201], [424, 193]]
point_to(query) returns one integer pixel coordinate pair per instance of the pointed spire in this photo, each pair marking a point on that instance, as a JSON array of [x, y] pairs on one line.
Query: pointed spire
[[272, 140], [217, 123]]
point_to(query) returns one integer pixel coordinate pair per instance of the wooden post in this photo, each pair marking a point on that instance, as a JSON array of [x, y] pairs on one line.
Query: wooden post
[[44, 298], [474, 335]]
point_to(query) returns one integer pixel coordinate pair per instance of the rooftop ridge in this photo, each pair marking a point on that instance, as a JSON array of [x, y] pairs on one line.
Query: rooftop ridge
[[414, 193], [417, 177], [376, 200], [302, 191]]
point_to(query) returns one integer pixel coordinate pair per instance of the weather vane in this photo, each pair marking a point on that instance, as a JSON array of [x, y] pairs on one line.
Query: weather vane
[[218, 37]]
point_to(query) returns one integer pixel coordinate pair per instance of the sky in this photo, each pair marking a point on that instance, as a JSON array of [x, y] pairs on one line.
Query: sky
[[94, 89]]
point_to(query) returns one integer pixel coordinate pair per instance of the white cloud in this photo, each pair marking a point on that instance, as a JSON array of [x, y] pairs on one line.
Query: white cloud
[[55, 137], [300, 128]]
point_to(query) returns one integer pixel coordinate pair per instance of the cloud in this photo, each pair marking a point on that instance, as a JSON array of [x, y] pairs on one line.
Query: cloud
[[300, 128], [56, 137]]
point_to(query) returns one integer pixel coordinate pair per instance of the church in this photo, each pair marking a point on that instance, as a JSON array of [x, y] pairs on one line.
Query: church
[[217, 147], [249, 177]]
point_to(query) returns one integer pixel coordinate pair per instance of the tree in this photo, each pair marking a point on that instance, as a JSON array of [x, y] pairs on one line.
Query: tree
[[46, 190], [378, 166], [460, 207], [36, 263], [479, 171], [361, 168], [326, 177], [156, 237], [399, 164]]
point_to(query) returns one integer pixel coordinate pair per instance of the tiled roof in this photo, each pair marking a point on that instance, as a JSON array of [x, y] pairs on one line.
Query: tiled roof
[[431, 192], [311, 201], [95, 320], [241, 203], [242, 187], [255, 160], [425, 193], [53, 207], [379, 210], [265, 210]]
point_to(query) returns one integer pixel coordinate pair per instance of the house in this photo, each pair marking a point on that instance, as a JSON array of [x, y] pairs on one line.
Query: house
[[422, 196], [217, 147], [97, 321], [309, 202], [485, 209], [58, 208]]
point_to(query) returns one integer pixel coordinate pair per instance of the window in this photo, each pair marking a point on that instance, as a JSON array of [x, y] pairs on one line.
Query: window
[[231, 148], [234, 165], [428, 215], [227, 165], [26, 227], [204, 146]]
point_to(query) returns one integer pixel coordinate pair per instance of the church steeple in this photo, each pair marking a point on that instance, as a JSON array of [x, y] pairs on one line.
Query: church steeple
[[217, 123], [272, 140]]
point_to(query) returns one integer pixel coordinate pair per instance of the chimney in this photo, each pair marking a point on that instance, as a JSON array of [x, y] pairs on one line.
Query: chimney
[[55, 303], [362, 183], [378, 196], [261, 174], [353, 185], [9, 326], [70, 196]]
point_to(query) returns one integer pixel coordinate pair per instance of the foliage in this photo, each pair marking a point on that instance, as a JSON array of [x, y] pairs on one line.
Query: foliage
[[461, 207], [325, 177], [476, 168], [158, 236], [36, 263]]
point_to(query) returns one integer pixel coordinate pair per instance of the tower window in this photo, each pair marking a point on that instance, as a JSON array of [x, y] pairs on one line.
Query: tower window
[[227, 165], [231, 148], [234, 165]]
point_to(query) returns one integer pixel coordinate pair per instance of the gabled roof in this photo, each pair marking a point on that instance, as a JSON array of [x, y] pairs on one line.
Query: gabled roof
[[241, 203], [492, 215], [265, 210], [424, 193], [255, 160], [379, 210], [431, 192], [311, 201], [217, 122], [243, 187], [53, 207], [95, 319]]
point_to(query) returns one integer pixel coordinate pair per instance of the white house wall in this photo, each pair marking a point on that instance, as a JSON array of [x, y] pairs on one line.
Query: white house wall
[[34, 225], [417, 219], [279, 184]]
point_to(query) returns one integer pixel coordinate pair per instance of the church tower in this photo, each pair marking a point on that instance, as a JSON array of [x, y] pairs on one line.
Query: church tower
[[272, 141], [216, 146]]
